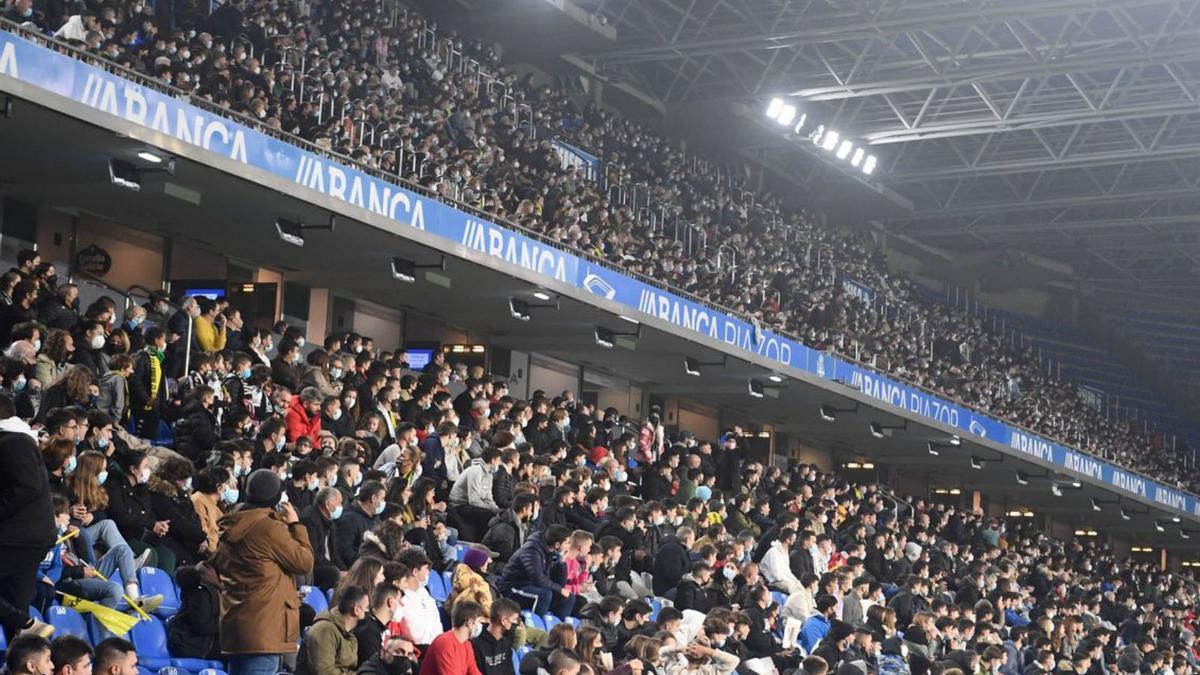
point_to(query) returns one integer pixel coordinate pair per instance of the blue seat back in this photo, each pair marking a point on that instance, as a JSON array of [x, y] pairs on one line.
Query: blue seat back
[[315, 598], [67, 621], [154, 581], [150, 639]]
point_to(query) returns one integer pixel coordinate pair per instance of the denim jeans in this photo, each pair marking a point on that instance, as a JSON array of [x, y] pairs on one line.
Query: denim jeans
[[546, 600], [253, 664]]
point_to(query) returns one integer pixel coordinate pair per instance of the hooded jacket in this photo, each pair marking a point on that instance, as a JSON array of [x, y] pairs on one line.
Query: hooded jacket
[[26, 512], [329, 649], [530, 566], [258, 555], [504, 535]]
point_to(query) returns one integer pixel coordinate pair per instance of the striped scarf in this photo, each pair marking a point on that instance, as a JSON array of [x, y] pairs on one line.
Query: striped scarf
[[155, 363]]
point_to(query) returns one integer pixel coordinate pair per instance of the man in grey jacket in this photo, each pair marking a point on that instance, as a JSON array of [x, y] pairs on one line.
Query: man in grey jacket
[[852, 609], [471, 500]]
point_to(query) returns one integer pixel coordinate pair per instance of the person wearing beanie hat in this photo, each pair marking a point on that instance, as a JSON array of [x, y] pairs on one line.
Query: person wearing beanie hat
[[262, 546], [469, 581], [476, 559]]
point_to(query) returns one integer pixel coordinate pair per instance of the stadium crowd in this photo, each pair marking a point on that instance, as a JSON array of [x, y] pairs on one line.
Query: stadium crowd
[[370, 82], [325, 509], [310, 502]]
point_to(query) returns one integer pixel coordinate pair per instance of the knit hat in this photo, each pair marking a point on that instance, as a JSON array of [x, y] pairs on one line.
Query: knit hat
[[475, 558], [263, 488], [839, 630], [704, 493]]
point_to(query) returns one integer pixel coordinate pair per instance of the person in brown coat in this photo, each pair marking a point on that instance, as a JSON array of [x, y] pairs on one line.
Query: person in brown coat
[[262, 546]]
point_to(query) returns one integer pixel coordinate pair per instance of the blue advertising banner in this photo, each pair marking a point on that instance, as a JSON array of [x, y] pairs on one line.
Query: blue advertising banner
[[857, 289], [586, 164], [57, 73]]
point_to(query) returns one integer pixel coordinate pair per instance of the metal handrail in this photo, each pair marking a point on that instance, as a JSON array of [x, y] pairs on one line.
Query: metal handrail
[[255, 124]]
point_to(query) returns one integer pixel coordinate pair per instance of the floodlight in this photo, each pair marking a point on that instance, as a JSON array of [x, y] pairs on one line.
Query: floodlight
[[844, 149]]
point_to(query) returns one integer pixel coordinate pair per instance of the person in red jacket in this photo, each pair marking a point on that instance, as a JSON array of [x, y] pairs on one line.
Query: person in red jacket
[[451, 652], [304, 416]]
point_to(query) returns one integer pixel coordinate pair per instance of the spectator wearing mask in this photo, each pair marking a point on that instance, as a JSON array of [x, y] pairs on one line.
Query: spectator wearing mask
[[148, 386], [370, 631], [673, 561], [452, 653], [471, 499], [528, 575], [330, 646], [359, 518], [89, 348], [509, 528], [131, 508], [319, 519], [506, 478], [284, 367], [494, 646], [261, 549], [421, 620], [192, 632]]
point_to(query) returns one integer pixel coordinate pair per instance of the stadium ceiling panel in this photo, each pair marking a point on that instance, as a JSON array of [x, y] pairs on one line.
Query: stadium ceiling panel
[[1069, 127]]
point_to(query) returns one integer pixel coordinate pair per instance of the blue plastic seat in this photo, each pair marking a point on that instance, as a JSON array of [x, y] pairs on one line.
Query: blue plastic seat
[[460, 552], [551, 621], [779, 598], [315, 598], [34, 613], [67, 621], [573, 620], [437, 588], [516, 659], [655, 608], [150, 639], [533, 620], [212, 671], [3, 641], [153, 581]]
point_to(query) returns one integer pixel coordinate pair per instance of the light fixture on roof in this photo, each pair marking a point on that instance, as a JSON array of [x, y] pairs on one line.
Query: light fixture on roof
[[1175, 519], [868, 166], [844, 150], [935, 447], [542, 295], [405, 270], [124, 174], [1128, 513], [829, 413], [1125, 515], [292, 232], [774, 107], [1023, 477], [1057, 487], [692, 366], [521, 310], [978, 462], [799, 126], [148, 156], [1097, 503], [857, 157], [1184, 534], [884, 430], [630, 319], [1159, 526], [608, 338], [830, 140], [758, 389]]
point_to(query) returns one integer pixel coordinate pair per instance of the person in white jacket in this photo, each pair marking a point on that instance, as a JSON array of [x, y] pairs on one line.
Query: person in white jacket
[[775, 565], [471, 496]]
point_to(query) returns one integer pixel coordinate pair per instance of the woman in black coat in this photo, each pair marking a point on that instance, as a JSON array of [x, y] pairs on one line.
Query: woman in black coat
[[196, 432], [170, 497]]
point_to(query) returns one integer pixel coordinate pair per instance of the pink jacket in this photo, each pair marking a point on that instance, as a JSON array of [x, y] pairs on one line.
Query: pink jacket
[[577, 574]]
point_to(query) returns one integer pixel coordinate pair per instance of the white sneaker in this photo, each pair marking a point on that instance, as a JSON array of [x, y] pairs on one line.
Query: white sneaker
[[140, 561], [38, 628]]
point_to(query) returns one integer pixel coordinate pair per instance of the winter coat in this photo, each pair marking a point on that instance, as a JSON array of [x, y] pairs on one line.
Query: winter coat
[[322, 539], [504, 534], [690, 595], [129, 506], [467, 584], [192, 632], [26, 512], [196, 432], [671, 564], [300, 423], [186, 534], [530, 566], [350, 529], [502, 488], [328, 649], [258, 555]]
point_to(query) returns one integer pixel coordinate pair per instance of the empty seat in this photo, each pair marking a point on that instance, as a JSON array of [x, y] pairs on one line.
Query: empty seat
[[67, 621], [315, 598]]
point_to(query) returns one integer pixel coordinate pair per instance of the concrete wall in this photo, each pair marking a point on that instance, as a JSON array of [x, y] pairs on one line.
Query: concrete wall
[[380, 323], [552, 375]]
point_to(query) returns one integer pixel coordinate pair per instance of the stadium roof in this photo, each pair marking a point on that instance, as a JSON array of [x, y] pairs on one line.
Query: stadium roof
[[1065, 127]]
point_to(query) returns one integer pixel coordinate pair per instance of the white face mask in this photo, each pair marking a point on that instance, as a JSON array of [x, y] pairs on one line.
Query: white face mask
[[97, 341], [144, 476]]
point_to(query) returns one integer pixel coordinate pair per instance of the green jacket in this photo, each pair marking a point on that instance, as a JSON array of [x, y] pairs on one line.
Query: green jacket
[[737, 521], [328, 648]]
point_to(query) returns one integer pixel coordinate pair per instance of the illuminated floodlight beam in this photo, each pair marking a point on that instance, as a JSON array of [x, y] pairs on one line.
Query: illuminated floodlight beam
[[786, 114], [830, 141], [857, 158], [844, 149], [774, 107], [868, 166]]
